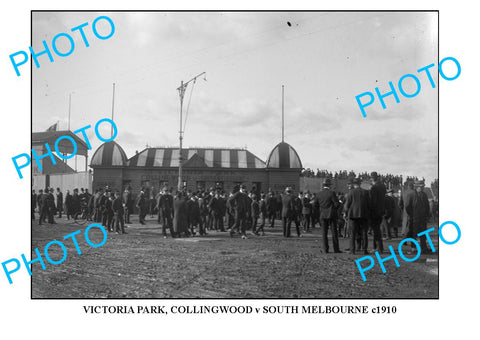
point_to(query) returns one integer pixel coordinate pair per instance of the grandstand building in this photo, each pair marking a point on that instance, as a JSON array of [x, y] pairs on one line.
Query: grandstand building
[[202, 168]]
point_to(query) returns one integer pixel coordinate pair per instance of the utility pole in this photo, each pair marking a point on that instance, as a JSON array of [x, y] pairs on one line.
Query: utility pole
[[283, 115], [69, 109], [181, 92]]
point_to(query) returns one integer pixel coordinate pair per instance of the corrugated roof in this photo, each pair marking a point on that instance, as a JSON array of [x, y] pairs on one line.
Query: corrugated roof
[[212, 158], [284, 156], [50, 137], [109, 154]]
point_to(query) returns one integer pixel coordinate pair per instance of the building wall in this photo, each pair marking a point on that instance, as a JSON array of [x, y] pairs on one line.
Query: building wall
[[108, 176], [118, 179], [63, 181], [278, 180], [138, 177]]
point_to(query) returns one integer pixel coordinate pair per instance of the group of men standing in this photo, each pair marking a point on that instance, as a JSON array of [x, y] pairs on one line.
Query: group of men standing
[[51, 203], [366, 209], [184, 214]]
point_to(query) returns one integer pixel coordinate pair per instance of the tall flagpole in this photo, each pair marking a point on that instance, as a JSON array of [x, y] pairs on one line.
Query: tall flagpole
[[69, 109], [113, 108], [283, 116]]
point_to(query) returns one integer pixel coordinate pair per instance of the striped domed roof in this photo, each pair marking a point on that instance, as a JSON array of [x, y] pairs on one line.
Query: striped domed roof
[[284, 156], [109, 154]]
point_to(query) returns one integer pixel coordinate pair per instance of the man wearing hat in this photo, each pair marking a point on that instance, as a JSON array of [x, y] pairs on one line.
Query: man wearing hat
[[287, 211], [214, 209], [387, 223], [421, 213], [357, 209], [76, 207], [142, 207], [328, 204], [118, 210], [51, 207], [42, 201], [377, 209], [271, 205], [165, 211], [239, 200], [128, 201], [59, 203], [406, 202]]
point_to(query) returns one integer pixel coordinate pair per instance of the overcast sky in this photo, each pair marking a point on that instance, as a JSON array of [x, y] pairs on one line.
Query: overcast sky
[[323, 59]]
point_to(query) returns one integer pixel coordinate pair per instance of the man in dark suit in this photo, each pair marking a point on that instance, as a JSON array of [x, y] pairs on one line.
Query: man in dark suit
[[51, 207], [357, 210], [39, 201], [240, 201], [34, 204], [42, 200], [128, 201], [68, 204], [142, 207], [377, 205], [214, 210], [263, 213], [222, 204], [165, 208], [59, 202], [76, 205], [271, 205], [118, 211], [193, 214], [406, 202], [387, 223], [255, 213], [421, 213], [287, 211], [306, 212], [328, 204]]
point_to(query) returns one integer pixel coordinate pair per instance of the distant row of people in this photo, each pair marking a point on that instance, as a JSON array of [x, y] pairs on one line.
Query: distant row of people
[[388, 179]]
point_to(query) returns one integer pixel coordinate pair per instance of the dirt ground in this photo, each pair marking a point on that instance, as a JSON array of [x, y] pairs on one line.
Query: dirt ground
[[142, 264]]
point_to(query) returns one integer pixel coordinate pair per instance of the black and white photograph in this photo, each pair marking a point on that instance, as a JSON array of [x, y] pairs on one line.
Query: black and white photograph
[[227, 170], [235, 154]]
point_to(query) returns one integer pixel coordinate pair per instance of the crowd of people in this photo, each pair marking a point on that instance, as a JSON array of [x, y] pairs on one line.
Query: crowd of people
[[389, 180], [354, 214], [49, 203]]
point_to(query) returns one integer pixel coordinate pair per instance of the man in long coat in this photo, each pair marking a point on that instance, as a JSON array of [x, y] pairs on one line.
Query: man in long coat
[[180, 221], [59, 202], [357, 209], [377, 206], [165, 210], [287, 211], [328, 204], [421, 213], [240, 200]]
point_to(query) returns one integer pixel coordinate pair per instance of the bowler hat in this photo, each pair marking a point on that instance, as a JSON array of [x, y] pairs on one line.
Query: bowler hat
[[419, 183], [327, 182]]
